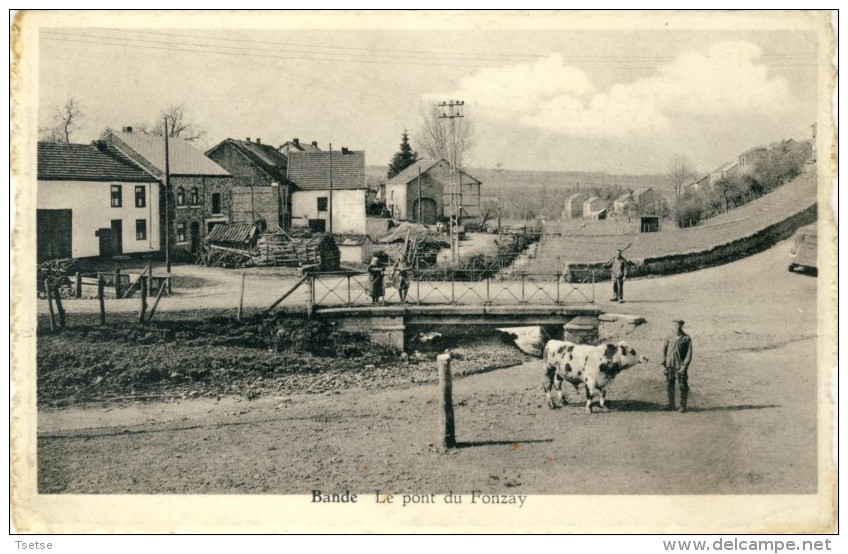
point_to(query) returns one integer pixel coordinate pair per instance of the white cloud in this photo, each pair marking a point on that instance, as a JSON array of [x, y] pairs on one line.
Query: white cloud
[[725, 80]]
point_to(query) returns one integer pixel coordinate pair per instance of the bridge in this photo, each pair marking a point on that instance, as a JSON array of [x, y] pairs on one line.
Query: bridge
[[562, 308]]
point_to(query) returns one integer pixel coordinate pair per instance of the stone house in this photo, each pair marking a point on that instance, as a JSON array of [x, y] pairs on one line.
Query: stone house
[[261, 190], [427, 199], [200, 194], [573, 206]]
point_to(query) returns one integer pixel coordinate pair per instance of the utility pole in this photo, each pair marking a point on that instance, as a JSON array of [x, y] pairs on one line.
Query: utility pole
[[420, 208], [167, 203], [330, 200], [498, 169], [452, 110]]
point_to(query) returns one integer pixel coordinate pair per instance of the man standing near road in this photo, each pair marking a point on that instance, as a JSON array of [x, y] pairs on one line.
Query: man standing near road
[[677, 355], [618, 272]]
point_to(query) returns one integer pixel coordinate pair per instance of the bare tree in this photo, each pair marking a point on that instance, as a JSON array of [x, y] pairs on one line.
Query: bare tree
[[65, 120], [434, 135], [680, 172]]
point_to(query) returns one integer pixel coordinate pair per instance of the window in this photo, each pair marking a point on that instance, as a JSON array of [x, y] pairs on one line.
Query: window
[[216, 202], [322, 204], [195, 197], [116, 196], [140, 197], [181, 232], [180, 197], [140, 229]]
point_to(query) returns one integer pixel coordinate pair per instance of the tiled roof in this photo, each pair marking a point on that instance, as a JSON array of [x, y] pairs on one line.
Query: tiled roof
[[624, 197], [576, 195], [311, 170], [183, 157], [350, 240], [87, 162], [263, 155], [290, 146], [411, 173], [752, 150], [232, 232]]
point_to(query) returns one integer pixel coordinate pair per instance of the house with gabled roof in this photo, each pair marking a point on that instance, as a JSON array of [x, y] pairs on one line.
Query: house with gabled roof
[[92, 200], [421, 193], [573, 206], [295, 145], [261, 190], [311, 174], [200, 194]]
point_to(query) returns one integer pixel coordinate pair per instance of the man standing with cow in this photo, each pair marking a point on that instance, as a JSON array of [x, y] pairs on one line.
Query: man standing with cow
[[677, 355]]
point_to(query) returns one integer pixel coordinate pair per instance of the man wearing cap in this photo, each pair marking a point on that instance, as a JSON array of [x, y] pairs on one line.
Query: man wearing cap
[[618, 272], [677, 354]]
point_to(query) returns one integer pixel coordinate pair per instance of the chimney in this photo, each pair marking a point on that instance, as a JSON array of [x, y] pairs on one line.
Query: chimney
[[259, 141], [248, 139], [101, 144], [296, 141], [126, 129], [315, 142], [345, 151]]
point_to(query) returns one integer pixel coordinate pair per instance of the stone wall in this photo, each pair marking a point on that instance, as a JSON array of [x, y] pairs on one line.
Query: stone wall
[[717, 255]]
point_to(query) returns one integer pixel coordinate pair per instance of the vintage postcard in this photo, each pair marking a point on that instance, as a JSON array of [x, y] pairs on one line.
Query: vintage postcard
[[423, 271]]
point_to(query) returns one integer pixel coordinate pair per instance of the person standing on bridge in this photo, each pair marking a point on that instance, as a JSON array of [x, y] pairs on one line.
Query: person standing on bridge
[[677, 355], [400, 278], [618, 272], [376, 287]]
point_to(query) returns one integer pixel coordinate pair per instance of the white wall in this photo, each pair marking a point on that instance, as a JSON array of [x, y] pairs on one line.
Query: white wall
[[396, 200], [91, 209], [348, 209]]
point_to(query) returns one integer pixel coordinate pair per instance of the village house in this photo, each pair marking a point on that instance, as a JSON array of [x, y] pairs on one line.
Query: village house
[[728, 170], [595, 208], [294, 145], [261, 191], [574, 206], [747, 161], [200, 194], [310, 173], [624, 204], [94, 201], [701, 184], [427, 199]]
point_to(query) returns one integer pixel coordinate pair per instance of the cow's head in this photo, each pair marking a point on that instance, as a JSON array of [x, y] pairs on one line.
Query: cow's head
[[618, 357]]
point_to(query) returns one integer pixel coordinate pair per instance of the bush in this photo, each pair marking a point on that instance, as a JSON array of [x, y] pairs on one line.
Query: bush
[[689, 210]]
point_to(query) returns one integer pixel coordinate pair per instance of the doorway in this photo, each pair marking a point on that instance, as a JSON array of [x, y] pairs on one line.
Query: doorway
[[117, 237], [195, 236], [425, 211]]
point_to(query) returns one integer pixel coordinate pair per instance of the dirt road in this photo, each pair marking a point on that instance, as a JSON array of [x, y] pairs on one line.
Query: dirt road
[[752, 429]]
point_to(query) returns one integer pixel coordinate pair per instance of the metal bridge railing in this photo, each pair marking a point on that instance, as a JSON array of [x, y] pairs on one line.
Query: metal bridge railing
[[353, 289]]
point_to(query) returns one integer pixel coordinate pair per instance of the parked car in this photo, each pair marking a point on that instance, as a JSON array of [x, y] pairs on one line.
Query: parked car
[[805, 249]]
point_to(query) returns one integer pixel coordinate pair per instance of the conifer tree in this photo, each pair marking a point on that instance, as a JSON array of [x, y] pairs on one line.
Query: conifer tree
[[404, 158]]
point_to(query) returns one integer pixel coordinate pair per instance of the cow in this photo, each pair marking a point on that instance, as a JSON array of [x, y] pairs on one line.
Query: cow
[[594, 366]]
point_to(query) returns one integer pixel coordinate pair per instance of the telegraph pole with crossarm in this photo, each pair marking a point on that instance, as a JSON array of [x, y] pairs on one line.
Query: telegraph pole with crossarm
[[451, 110]]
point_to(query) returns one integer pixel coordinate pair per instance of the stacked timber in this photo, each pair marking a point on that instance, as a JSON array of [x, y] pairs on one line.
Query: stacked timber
[[280, 249]]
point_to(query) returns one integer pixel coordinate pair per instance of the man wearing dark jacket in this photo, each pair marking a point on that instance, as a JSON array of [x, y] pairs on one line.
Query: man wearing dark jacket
[[677, 355]]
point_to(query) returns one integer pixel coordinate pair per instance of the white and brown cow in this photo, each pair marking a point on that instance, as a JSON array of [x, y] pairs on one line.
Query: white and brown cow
[[593, 366]]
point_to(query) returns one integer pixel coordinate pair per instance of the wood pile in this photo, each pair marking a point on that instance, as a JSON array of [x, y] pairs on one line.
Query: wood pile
[[280, 249], [275, 248]]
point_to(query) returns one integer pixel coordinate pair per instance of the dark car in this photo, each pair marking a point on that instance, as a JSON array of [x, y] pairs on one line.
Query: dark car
[[805, 249]]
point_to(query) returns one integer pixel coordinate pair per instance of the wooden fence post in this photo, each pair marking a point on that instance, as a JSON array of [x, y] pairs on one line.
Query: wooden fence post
[[310, 298], [50, 305], [447, 434], [241, 298], [79, 285], [100, 287], [59, 307], [156, 302], [117, 283], [143, 299]]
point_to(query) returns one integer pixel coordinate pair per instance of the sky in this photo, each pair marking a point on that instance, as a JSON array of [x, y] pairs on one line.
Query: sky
[[616, 101]]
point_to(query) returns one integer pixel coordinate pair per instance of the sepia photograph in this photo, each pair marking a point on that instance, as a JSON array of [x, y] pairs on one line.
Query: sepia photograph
[[424, 271]]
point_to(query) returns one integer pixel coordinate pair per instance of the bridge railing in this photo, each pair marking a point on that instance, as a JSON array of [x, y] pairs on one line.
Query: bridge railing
[[354, 289]]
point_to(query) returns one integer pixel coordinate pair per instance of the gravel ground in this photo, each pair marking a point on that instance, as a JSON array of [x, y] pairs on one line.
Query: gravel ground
[[751, 430]]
